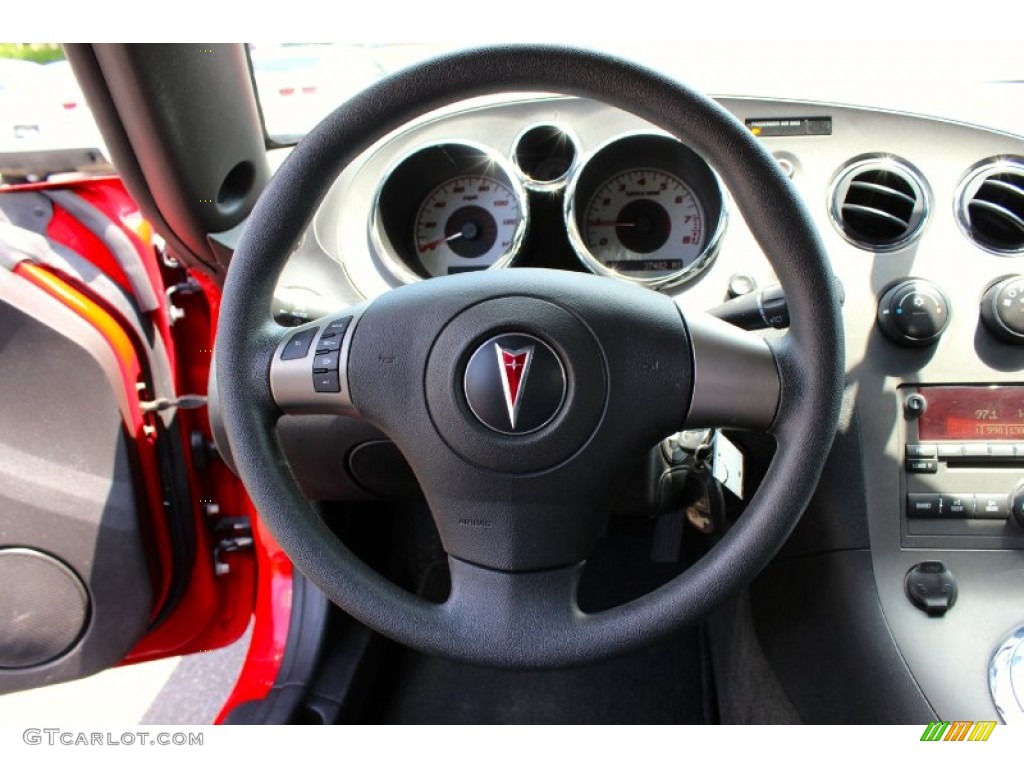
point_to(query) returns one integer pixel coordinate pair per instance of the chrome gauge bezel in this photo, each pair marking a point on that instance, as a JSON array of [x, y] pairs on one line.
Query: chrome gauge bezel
[[554, 185], [663, 282], [396, 258]]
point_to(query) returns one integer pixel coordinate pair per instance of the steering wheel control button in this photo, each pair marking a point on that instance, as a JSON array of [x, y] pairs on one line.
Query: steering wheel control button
[[913, 313], [323, 363], [931, 588], [923, 505], [330, 343], [338, 327], [326, 382], [515, 384], [299, 344]]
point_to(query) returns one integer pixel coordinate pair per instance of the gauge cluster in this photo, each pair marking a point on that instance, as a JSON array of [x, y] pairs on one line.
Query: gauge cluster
[[642, 207]]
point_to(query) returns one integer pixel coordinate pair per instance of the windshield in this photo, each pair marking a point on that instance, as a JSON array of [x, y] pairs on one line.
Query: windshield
[[47, 129], [298, 84]]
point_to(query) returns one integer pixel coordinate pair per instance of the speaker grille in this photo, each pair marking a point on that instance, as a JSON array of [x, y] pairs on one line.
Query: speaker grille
[[43, 608]]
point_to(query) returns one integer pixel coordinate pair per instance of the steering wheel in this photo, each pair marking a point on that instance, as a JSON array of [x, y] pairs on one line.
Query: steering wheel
[[516, 394]]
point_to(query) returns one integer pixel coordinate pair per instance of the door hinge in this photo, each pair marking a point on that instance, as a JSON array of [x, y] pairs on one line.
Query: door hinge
[[237, 533]]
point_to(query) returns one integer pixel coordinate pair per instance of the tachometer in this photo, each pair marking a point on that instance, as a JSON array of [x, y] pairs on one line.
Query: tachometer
[[644, 223], [645, 208], [466, 224]]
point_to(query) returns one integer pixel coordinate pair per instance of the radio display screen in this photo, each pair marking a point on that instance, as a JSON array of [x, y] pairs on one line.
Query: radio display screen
[[972, 413]]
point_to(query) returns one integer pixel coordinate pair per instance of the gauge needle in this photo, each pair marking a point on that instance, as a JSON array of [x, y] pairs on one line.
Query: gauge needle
[[601, 223], [434, 243]]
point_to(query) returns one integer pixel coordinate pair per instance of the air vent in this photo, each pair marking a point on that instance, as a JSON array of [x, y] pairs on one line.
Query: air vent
[[990, 205], [879, 203]]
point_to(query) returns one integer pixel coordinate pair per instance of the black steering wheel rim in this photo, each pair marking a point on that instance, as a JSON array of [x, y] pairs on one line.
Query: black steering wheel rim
[[504, 630]]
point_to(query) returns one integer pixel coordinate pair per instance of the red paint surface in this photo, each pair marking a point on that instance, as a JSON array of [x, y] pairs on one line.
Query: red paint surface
[[270, 627], [215, 610]]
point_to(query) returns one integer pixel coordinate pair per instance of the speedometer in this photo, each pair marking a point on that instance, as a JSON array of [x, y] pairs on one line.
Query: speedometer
[[449, 208], [644, 223], [465, 224]]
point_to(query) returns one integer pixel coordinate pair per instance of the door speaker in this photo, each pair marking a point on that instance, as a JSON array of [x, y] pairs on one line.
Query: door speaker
[[44, 608]]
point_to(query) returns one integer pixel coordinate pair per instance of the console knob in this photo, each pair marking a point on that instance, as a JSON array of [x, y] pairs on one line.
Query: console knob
[[1002, 310], [913, 313], [1017, 505]]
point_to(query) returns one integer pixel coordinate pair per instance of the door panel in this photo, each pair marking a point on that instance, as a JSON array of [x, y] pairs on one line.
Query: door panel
[[77, 592], [114, 512]]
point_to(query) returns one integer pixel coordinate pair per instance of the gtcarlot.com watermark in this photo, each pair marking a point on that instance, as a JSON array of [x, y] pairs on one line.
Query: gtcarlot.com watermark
[[54, 737]]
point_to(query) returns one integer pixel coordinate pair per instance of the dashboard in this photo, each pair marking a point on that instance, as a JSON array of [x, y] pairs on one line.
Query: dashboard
[[923, 220]]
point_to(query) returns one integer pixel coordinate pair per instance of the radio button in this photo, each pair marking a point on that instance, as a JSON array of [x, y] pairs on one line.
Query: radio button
[[922, 505], [959, 505], [975, 450], [951, 451], [1002, 450], [916, 451], [991, 506], [922, 466]]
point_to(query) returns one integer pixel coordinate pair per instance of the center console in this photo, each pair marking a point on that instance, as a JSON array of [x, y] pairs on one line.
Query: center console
[[963, 466]]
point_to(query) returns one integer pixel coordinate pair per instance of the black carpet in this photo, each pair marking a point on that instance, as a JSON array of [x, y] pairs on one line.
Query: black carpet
[[662, 684]]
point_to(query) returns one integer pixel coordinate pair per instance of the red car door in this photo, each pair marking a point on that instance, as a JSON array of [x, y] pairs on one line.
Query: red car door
[[123, 537]]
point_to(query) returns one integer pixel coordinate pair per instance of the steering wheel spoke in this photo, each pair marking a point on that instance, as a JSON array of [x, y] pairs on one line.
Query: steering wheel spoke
[[737, 383], [535, 611]]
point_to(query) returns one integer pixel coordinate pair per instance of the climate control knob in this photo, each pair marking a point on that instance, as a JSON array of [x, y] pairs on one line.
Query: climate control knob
[[1002, 310], [913, 313]]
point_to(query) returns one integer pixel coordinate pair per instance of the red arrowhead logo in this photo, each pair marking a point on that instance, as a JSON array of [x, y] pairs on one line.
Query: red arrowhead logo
[[515, 366]]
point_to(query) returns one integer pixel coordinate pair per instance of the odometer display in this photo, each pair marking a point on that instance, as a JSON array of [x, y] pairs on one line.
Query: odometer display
[[972, 413], [644, 223]]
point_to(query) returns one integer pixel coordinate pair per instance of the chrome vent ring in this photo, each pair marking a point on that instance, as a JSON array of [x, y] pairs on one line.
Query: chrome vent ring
[[879, 203], [990, 205]]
